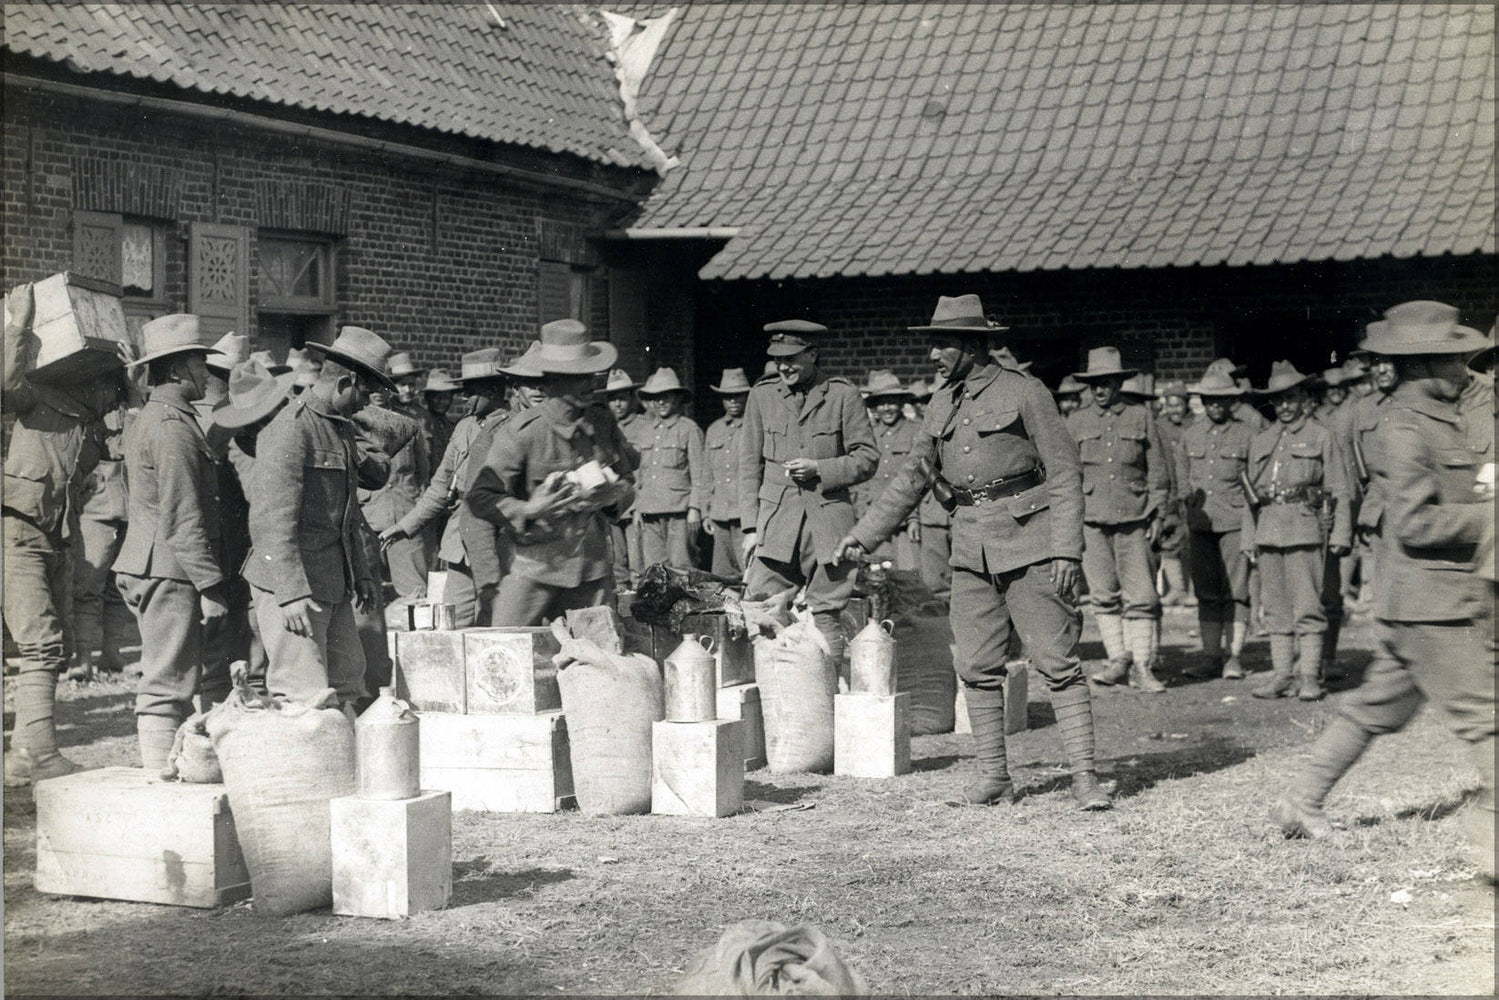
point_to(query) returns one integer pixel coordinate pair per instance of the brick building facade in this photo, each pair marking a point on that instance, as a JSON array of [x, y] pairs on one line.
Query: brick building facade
[[285, 237]]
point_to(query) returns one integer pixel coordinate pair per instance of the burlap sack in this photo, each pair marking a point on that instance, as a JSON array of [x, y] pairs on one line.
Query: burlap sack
[[798, 680], [610, 701], [283, 763]]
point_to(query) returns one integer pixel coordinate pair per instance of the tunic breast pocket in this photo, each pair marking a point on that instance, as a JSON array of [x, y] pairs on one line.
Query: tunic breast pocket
[[825, 444], [1131, 446], [1092, 449], [671, 456], [1308, 457]]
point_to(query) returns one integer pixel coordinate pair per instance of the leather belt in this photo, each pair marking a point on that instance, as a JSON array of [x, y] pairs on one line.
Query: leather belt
[[1006, 486]]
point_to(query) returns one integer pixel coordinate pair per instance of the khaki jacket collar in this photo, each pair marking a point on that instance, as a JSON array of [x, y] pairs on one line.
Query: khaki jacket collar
[[1413, 396]]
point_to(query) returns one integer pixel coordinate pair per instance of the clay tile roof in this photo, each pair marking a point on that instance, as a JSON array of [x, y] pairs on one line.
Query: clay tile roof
[[925, 138], [541, 81]]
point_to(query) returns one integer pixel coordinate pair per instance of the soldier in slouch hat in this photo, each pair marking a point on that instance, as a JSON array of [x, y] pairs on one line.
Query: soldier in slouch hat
[[994, 448]]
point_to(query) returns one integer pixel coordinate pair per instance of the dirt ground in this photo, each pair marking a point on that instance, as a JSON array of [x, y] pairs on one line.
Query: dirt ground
[[1183, 888]]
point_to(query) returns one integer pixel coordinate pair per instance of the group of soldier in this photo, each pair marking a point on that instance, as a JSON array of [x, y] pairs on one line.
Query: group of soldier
[[265, 503]]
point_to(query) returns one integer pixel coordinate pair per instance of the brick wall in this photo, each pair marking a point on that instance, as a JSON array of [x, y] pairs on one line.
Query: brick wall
[[1174, 321], [438, 260]]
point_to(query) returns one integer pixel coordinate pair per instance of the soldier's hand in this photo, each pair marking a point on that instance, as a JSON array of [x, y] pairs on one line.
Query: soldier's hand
[[803, 471], [694, 519], [711, 527], [848, 547], [1153, 533], [366, 595], [1339, 550], [747, 547], [211, 607], [297, 616], [392, 534], [913, 531], [553, 494], [1252, 555], [1065, 577]]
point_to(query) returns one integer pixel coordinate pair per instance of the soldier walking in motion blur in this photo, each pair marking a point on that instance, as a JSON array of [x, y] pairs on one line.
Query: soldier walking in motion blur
[[994, 448], [1435, 596]]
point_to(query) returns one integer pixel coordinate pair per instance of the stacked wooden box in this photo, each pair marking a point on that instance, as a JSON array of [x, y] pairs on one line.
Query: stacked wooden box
[[492, 730], [738, 694]]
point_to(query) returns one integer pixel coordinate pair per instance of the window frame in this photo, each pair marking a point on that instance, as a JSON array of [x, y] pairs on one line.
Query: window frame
[[324, 305]]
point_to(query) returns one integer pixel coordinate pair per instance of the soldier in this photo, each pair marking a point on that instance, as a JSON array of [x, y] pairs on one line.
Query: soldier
[[487, 547], [995, 447], [1340, 589], [936, 535], [484, 381], [1435, 613], [1174, 418], [1126, 490], [553, 476], [255, 394], [806, 443], [721, 443], [101, 531], [1239, 409], [619, 395], [307, 562], [1069, 395], [672, 485], [57, 440], [1370, 412], [407, 559], [921, 394], [440, 401], [1210, 464], [1296, 473], [170, 568], [893, 435]]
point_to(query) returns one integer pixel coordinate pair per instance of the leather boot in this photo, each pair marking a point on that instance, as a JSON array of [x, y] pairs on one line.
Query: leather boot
[[986, 716], [1309, 667], [1233, 669], [1111, 628], [1298, 811], [23, 768], [1073, 707], [1143, 636], [1212, 651], [830, 625], [1283, 667], [156, 733], [1176, 582]]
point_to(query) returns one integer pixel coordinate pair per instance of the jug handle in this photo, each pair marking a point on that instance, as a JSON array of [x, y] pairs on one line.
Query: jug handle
[[888, 626], [706, 641]]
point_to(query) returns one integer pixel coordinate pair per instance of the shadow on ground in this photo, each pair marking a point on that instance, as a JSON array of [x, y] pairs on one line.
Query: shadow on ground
[[1138, 772], [476, 881], [758, 791]]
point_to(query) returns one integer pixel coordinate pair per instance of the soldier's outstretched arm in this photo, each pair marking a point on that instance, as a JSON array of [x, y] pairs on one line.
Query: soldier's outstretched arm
[[891, 508], [437, 497], [19, 395]]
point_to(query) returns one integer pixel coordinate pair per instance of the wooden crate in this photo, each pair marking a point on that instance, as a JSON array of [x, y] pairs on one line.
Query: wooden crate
[[510, 671], [79, 323], [392, 858], [430, 672], [119, 833], [697, 768], [742, 701], [871, 735], [733, 655], [655, 641], [498, 763]]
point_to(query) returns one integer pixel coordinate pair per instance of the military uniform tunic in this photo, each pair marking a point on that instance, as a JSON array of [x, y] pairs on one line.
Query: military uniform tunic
[[1125, 486], [672, 479], [798, 527], [410, 470], [721, 445], [560, 562], [999, 423], [1209, 463], [1436, 614], [172, 550], [1297, 470], [624, 532], [305, 542]]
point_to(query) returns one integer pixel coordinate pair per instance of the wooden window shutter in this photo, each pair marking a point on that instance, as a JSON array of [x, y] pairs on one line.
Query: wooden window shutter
[[96, 245], [218, 287], [553, 291], [627, 318]]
